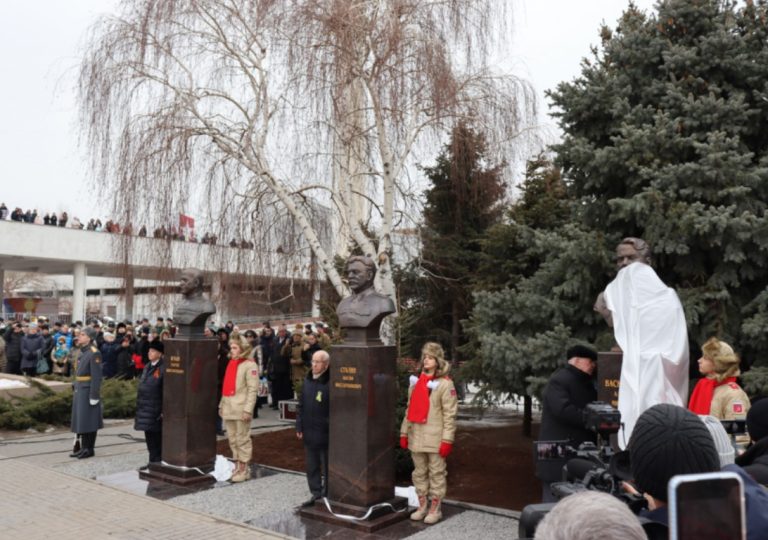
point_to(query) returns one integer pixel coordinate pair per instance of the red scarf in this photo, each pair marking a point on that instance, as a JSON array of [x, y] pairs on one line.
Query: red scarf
[[701, 398], [230, 377], [418, 408]]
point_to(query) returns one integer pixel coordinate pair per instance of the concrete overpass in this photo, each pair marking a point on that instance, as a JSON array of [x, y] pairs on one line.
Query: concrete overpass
[[44, 249]]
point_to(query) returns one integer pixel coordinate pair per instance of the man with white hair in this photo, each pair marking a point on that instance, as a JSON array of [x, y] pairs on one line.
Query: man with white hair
[[312, 425], [590, 515]]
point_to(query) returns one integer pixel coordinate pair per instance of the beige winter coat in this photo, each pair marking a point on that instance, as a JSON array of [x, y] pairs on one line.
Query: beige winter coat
[[729, 402], [246, 391], [441, 420]]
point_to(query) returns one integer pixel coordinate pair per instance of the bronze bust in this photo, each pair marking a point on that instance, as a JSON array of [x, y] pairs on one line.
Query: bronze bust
[[194, 309], [629, 250], [365, 308]]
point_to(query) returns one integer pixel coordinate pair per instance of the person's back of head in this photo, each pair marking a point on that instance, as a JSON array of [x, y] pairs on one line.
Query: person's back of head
[[725, 450], [757, 420], [669, 440], [590, 515]]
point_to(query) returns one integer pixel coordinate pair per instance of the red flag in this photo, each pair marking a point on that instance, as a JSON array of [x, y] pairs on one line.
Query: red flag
[[187, 222]]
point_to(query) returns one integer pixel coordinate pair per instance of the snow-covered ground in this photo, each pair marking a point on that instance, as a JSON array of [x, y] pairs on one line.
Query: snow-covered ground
[[10, 383]]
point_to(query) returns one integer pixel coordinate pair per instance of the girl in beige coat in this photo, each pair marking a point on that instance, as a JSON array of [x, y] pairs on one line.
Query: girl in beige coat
[[239, 392], [428, 430]]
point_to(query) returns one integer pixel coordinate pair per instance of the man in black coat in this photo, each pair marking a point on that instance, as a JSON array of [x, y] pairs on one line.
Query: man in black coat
[[311, 346], [149, 401], [279, 368], [13, 337], [312, 425], [567, 393], [32, 345]]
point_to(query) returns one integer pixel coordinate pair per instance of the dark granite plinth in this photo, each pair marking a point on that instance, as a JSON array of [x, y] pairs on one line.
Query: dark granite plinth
[[189, 412], [362, 437], [608, 376], [379, 518]]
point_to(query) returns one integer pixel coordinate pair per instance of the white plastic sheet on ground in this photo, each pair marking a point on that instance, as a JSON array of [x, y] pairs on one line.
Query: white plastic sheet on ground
[[649, 326], [222, 470], [410, 493]]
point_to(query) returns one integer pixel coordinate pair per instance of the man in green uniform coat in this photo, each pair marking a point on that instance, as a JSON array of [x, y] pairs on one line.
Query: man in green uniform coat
[[86, 400]]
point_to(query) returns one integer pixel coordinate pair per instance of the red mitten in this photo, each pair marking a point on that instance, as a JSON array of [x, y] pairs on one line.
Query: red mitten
[[404, 442], [445, 449]]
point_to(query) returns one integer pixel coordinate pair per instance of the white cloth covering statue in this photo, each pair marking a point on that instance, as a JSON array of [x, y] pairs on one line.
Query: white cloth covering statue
[[649, 326]]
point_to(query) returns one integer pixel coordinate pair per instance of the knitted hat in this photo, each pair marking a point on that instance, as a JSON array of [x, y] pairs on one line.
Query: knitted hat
[[157, 345], [669, 440], [722, 442], [581, 351], [721, 354], [757, 420]]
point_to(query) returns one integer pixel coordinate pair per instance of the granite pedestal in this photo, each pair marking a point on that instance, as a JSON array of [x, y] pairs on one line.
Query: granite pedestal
[[362, 438], [608, 377], [189, 413]]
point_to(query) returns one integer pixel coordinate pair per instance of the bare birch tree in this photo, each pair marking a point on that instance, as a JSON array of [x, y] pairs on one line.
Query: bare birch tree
[[253, 108]]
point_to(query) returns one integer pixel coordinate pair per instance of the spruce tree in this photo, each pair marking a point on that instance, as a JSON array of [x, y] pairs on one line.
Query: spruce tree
[[463, 200], [665, 138]]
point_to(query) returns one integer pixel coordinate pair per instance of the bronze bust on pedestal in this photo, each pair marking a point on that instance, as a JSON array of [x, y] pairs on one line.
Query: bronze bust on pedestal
[[361, 314], [193, 310]]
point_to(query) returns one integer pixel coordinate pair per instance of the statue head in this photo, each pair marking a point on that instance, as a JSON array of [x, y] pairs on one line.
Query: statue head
[[632, 250], [191, 282], [360, 272]]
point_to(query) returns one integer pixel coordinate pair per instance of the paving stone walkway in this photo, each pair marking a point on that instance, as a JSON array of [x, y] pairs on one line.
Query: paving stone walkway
[[39, 503]]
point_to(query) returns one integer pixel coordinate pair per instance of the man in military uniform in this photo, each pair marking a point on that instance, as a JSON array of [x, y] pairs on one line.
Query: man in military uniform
[[86, 401]]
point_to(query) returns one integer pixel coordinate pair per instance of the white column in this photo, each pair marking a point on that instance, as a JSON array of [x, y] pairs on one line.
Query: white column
[[128, 297], [78, 292]]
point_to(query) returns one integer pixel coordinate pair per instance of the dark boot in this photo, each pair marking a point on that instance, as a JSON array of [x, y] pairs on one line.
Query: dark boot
[[76, 448], [89, 441]]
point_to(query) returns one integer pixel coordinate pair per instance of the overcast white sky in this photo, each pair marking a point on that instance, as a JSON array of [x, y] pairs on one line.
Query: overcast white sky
[[41, 165]]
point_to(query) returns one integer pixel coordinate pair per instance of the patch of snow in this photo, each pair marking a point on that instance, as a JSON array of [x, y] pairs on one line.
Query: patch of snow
[[10, 383]]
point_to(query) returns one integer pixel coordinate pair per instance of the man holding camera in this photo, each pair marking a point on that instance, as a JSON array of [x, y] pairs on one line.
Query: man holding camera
[[566, 395]]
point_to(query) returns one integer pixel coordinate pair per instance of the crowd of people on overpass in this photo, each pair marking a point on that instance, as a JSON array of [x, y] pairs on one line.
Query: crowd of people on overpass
[[54, 219]]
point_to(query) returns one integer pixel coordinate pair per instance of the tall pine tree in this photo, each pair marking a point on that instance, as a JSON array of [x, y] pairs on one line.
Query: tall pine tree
[[462, 201]]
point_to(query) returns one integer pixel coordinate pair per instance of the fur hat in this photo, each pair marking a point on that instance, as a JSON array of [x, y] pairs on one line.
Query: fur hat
[[725, 360], [157, 345], [243, 344], [581, 351], [669, 440], [435, 350]]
